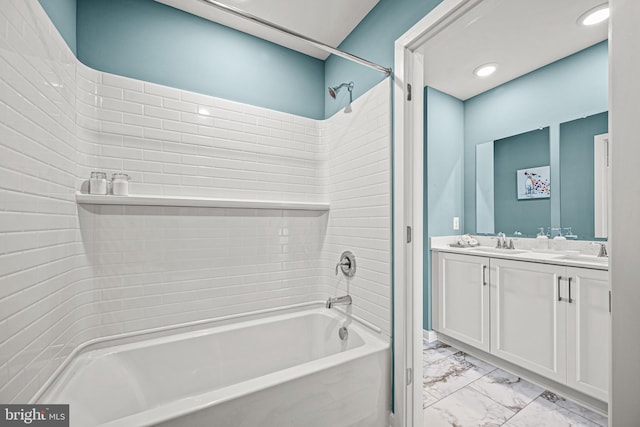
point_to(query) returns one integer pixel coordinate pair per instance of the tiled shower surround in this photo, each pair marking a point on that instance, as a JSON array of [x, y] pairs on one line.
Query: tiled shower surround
[[70, 273], [174, 142]]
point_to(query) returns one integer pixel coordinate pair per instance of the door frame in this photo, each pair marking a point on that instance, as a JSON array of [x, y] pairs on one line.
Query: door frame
[[408, 208]]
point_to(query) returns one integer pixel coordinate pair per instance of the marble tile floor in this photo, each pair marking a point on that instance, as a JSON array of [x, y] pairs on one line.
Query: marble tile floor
[[462, 391]]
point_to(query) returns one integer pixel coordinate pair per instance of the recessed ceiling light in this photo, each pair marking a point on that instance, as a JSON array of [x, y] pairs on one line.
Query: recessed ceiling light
[[595, 16], [485, 70]]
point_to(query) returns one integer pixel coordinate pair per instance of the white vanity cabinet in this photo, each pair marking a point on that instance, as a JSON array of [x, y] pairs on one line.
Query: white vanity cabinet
[[551, 319], [588, 331], [528, 322], [463, 298]]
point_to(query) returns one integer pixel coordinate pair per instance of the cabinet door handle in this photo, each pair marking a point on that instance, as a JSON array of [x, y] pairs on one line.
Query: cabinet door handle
[[570, 299], [484, 275], [609, 301], [559, 279]]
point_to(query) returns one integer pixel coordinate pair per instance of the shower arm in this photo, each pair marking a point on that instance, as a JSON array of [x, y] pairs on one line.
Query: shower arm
[[325, 47]]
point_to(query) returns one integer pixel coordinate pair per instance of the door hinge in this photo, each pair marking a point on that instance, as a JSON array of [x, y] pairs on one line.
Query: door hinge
[[409, 376], [408, 92], [408, 234]]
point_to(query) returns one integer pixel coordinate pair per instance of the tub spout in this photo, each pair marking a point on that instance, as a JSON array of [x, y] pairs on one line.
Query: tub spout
[[343, 300]]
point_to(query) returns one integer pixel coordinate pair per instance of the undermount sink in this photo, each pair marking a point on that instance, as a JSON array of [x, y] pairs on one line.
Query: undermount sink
[[489, 250], [586, 258]]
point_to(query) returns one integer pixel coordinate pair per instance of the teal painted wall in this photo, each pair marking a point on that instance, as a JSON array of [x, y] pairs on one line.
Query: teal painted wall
[[525, 150], [576, 173], [63, 15], [572, 87], [373, 39], [444, 175], [150, 41]]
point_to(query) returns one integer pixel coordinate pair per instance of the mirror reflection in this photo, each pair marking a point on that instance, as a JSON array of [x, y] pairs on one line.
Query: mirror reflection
[[507, 182], [516, 171]]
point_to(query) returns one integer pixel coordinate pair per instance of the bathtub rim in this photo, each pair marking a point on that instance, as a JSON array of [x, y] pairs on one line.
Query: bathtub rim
[[193, 326]]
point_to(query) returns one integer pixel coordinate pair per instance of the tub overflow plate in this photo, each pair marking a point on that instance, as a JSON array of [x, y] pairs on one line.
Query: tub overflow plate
[[343, 333]]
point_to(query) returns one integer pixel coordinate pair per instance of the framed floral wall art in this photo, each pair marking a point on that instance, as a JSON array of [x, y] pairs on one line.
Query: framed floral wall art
[[534, 183]]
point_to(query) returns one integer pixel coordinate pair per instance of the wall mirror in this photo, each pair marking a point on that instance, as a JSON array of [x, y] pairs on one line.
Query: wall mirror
[[512, 194], [533, 125]]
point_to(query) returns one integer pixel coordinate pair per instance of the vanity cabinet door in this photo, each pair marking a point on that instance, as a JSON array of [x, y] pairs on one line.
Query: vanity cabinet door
[[588, 331], [528, 323], [463, 298]]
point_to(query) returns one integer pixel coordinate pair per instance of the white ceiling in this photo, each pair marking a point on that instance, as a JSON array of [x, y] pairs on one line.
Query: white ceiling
[[519, 35], [327, 21]]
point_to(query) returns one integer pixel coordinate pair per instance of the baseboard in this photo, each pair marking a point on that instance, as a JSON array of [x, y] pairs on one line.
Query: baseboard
[[429, 336]]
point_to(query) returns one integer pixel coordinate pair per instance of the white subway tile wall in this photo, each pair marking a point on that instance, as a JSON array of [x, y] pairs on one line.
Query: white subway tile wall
[[359, 171], [45, 282], [174, 142], [161, 266], [72, 273]]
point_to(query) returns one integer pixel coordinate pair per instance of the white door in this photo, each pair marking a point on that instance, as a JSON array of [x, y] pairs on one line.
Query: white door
[[528, 319], [463, 298], [588, 326]]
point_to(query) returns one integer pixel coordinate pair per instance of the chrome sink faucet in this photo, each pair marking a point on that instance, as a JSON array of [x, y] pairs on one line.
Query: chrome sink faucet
[[502, 242], [603, 251], [343, 300]]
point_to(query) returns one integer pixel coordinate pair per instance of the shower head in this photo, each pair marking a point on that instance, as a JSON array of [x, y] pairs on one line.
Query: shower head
[[333, 91]]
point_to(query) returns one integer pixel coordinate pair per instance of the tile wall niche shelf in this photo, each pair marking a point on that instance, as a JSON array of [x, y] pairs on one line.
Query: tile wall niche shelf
[[199, 202]]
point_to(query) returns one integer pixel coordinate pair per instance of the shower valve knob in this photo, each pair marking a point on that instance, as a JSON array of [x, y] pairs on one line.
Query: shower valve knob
[[347, 264]]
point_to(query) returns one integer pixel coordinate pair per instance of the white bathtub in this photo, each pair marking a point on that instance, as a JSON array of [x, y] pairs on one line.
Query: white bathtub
[[289, 370]]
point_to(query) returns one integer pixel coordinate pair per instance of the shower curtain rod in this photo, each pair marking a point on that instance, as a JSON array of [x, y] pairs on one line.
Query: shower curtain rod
[[242, 14]]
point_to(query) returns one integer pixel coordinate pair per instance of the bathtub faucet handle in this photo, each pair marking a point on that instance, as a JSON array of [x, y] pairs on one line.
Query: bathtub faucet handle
[[347, 263]]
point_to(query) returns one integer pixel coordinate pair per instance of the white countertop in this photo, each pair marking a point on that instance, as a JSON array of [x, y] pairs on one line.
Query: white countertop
[[570, 253]]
